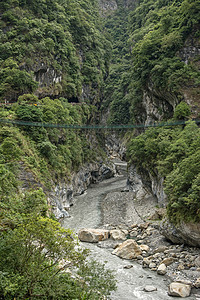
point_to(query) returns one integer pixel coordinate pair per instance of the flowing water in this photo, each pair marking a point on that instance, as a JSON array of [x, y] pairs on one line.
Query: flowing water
[[105, 202]]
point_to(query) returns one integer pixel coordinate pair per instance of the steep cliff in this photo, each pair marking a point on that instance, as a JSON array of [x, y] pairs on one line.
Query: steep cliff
[[167, 161], [165, 42]]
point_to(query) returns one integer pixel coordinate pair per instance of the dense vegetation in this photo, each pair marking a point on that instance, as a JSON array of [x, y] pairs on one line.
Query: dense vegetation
[[56, 46], [117, 83], [51, 53], [39, 259], [156, 32], [56, 52], [174, 154], [46, 151]]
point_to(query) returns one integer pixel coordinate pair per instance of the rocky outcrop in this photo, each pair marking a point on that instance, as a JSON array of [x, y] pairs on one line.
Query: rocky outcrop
[[61, 198], [107, 6], [149, 189], [146, 184], [115, 146], [188, 233], [157, 105]]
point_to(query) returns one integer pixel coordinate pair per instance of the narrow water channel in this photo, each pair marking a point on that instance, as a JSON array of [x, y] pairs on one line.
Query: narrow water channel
[[106, 202]]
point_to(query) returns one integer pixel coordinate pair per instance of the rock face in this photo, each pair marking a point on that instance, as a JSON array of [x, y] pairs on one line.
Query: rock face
[[157, 105], [128, 250], [183, 233], [93, 235], [179, 290], [107, 6], [61, 198], [115, 146], [150, 190], [145, 183]]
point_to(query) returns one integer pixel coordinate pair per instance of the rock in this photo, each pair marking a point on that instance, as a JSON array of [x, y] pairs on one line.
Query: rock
[[184, 281], [152, 265], [160, 249], [140, 241], [144, 248], [150, 288], [117, 235], [93, 235], [143, 226], [139, 257], [158, 214], [134, 225], [188, 233], [146, 261], [128, 267], [128, 250], [168, 261], [170, 232], [162, 269], [181, 267], [133, 233], [179, 290], [197, 283], [197, 262]]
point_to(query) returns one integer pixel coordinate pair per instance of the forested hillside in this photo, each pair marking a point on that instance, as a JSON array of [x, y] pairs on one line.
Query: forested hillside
[[164, 36], [48, 49], [64, 62], [155, 62], [165, 83], [52, 48]]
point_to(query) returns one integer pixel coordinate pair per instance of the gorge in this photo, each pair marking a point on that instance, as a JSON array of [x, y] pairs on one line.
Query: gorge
[[86, 63], [112, 207]]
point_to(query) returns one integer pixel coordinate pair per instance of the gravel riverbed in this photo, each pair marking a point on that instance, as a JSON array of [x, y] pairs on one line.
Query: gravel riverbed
[[108, 205]]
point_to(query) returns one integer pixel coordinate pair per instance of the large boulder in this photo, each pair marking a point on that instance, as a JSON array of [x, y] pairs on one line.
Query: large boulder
[[128, 250], [93, 235], [177, 289], [116, 234], [182, 233]]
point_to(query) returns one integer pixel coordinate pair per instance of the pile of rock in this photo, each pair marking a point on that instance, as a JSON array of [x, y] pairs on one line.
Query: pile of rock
[[140, 242]]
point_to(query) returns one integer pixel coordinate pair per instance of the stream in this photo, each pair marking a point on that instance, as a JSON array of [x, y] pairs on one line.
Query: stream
[[106, 203]]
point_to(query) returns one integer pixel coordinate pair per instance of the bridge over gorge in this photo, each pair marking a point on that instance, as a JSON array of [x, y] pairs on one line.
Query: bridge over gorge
[[96, 126]]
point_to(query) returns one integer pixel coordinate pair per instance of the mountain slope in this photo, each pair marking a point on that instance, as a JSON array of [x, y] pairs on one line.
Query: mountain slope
[[52, 48]]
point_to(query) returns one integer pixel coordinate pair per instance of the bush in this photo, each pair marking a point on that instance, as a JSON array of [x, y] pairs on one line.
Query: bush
[[182, 111]]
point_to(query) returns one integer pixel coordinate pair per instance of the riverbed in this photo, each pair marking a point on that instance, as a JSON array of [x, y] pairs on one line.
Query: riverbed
[[108, 203]]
